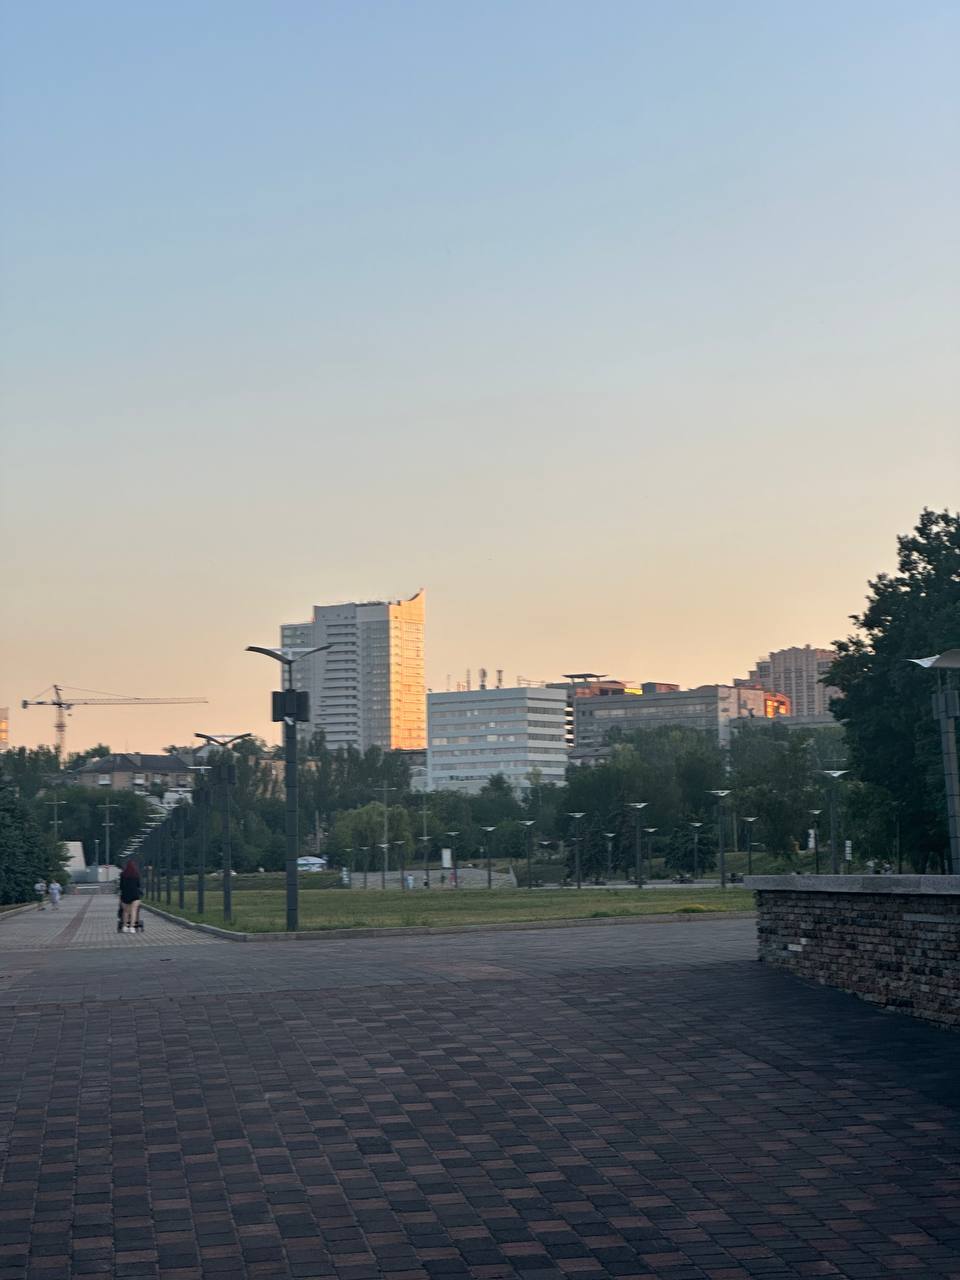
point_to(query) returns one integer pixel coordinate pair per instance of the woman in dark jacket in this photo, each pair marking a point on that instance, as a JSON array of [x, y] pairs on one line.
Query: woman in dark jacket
[[130, 895]]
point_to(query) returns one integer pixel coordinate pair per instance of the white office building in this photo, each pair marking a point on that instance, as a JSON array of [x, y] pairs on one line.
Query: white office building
[[369, 688], [475, 734]]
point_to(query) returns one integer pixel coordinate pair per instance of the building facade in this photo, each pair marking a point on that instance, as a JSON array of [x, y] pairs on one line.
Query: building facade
[[473, 735], [132, 771], [4, 728], [797, 673], [368, 689], [711, 709]]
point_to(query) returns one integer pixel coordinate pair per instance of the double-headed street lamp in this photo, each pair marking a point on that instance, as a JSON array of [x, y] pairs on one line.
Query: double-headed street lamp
[[227, 774], [292, 707], [721, 855], [834, 775], [637, 806], [946, 708]]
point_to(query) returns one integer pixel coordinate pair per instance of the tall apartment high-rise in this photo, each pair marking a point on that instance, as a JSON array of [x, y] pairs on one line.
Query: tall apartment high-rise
[[369, 689], [797, 673], [4, 728]]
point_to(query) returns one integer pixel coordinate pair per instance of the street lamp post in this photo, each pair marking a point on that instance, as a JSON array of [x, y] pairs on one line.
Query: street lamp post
[[365, 850], [181, 870], [750, 822], [528, 823], [200, 799], [425, 841], [815, 814], [946, 709], [226, 769], [650, 833], [576, 845], [292, 707], [835, 775], [721, 855], [486, 853], [696, 844], [401, 858], [637, 806], [608, 836]]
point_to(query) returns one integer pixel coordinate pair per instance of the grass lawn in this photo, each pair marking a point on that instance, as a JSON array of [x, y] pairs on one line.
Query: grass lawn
[[263, 910]]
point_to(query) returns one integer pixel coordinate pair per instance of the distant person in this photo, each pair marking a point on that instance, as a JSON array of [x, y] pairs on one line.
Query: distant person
[[40, 889], [130, 895], [54, 890]]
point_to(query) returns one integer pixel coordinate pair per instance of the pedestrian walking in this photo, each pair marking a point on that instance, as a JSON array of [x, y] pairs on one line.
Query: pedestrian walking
[[130, 895], [54, 891], [40, 889]]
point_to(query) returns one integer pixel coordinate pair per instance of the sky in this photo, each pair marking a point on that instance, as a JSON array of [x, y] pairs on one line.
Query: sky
[[627, 330]]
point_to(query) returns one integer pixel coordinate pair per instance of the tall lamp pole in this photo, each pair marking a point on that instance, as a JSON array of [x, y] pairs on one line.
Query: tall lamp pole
[[608, 836], [576, 844], [815, 815], [750, 822], [696, 843], [946, 708], [292, 707], [650, 834], [201, 800], [225, 741], [637, 806], [721, 855], [835, 775], [486, 853], [528, 823]]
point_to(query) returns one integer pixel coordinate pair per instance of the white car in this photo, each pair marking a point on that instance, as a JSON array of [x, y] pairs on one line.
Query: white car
[[311, 864]]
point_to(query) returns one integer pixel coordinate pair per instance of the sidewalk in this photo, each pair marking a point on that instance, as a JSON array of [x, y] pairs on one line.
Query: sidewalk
[[84, 922]]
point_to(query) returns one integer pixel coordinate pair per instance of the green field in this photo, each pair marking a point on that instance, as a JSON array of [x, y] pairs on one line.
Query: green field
[[263, 910]]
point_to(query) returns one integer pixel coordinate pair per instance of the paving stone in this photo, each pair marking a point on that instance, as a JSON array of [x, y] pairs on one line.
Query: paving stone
[[640, 1101]]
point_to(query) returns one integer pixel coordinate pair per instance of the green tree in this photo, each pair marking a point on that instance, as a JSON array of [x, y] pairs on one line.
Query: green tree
[[884, 701], [27, 852]]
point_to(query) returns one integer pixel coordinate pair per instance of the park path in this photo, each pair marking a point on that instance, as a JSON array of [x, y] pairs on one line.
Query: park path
[[89, 921]]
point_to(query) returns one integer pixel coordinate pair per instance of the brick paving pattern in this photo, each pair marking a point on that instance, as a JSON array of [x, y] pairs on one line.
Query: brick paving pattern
[[640, 1101], [87, 920]]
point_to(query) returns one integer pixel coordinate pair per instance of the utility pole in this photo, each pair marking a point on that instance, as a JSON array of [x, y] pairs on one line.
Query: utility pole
[[55, 804], [426, 845], [637, 806]]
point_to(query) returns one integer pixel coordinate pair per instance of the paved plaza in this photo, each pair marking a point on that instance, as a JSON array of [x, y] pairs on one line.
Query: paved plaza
[[638, 1100]]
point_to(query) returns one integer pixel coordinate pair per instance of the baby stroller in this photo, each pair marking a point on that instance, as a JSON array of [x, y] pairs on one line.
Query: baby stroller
[[139, 925]]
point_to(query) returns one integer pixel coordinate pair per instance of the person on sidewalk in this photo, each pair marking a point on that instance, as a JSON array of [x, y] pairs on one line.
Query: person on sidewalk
[[40, 889], [130, 895], [54, 890]]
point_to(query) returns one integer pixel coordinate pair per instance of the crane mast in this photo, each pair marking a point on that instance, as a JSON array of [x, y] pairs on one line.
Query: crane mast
[[65, 704]]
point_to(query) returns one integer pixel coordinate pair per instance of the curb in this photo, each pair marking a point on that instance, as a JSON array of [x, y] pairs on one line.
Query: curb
[[419, 930], [16, 911]]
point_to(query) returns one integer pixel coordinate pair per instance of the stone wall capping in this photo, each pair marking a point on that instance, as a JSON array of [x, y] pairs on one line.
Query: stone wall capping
[[941, 886]]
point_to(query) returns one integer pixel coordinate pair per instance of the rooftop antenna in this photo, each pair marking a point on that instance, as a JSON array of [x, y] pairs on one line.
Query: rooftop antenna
[[468, 680], [482, 673], [499, 677]]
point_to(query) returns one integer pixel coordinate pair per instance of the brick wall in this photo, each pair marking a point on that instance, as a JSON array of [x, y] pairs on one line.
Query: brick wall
[[892, 940]]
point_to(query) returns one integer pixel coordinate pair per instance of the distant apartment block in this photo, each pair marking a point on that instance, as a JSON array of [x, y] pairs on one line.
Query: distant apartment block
[[369, 688], [711, 709], [4, 728], [797, 673], [473, 735]]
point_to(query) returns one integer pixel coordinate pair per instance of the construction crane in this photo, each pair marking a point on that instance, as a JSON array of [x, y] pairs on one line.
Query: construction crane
[[63, 699]]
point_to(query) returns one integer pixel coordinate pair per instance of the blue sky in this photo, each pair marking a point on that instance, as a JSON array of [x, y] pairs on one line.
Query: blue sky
[[595, 320]]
